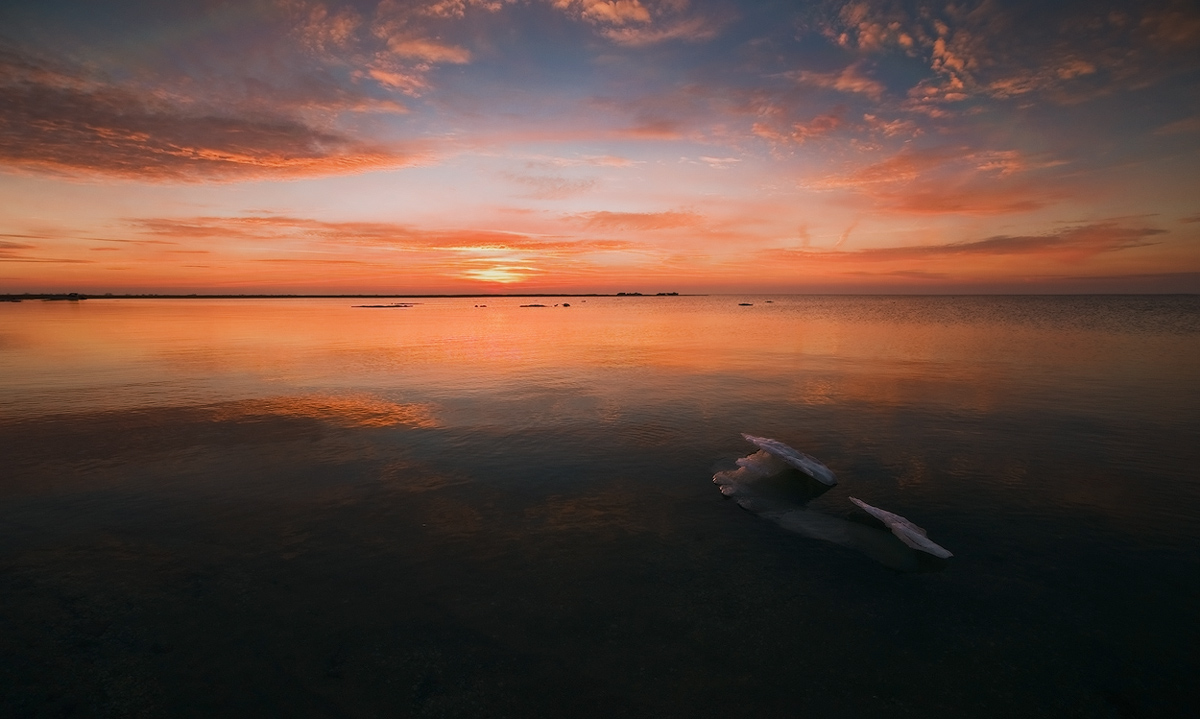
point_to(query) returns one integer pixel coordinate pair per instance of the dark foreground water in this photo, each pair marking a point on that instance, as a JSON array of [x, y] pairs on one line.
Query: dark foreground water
[[300, 508]]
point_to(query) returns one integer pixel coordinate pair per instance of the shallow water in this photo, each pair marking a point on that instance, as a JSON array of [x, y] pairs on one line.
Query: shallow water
[[303, 508]]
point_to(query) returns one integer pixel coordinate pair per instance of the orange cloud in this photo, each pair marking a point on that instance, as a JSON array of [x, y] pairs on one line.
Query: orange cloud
[[273, 229], [976, 200], [949, 180], [892, 128], [638, 22], [319, 28], [1005, 50], [848, 79], [902, 167], [458, 8], [428, 50], [798, 132], [612, 12], [638, 220], [15, 252], [71, 124], [1072, 244], [696, 29], [654, 129], [817, 127], [411, 83]]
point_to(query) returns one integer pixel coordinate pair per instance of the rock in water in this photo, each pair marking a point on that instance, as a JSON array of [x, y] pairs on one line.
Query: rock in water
[[909, 533]]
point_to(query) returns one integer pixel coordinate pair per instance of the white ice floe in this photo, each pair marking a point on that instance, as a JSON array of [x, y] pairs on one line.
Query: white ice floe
[[909, 533], [794, 458]]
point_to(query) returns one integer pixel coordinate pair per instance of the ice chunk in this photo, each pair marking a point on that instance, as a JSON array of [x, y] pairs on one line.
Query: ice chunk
[[909, 533], [794, 458]]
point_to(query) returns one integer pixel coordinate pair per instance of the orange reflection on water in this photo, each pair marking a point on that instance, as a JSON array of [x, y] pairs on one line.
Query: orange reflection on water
[[380, 367], [357, 410]]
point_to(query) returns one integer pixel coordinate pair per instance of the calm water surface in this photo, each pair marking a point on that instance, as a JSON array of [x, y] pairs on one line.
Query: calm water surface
[[303, 508]]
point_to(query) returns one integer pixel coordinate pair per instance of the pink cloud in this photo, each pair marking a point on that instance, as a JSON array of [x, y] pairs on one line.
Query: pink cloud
[[653, 129], [817, 127], [426, 50], [696, 29], [638, 22], [892, 128], [904, 166], [322, 29], [611, 12], [849, 79]]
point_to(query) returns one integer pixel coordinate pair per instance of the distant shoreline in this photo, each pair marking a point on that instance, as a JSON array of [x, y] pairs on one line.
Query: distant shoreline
[[76, 296]]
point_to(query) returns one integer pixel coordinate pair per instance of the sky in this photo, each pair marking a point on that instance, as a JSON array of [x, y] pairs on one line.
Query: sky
[[512, 146]]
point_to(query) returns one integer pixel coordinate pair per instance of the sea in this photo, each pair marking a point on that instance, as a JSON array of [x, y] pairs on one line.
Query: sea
[[506, 507]]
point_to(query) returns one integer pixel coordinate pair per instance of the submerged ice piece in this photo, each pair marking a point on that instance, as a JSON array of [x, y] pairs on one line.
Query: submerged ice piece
[[909, 533], [794, 458]]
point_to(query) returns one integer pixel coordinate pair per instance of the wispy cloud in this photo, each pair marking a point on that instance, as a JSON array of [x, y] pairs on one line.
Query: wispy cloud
[[271, 230], [850, 79], [428, 50], [695, 29], [62, 122], [604, 220], [1185, 126], [1071, 244], [799, 132], [950, 180], [16, 252], [607, 12], [638, 22], [552, 187], [11, 249], [652, 128]]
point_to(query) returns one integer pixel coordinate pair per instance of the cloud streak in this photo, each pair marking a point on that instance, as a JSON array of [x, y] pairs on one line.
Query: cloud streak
[[950, 180], [622, 221], [51, 120], [277, 230], [1072, 244]]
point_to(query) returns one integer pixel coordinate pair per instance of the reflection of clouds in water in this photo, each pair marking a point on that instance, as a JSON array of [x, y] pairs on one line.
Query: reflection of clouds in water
[[359, 410], [9, 340], [914, 472]]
